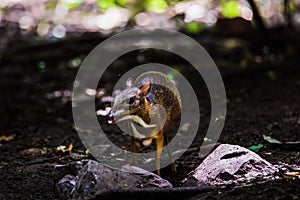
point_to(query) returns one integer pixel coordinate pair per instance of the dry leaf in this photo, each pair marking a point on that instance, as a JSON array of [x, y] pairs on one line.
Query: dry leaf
[[64, 149], [7, 138], [33, 150], [37, 150]]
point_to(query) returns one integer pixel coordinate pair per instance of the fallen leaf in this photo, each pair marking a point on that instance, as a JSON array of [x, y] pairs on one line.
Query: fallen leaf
[[288, 145], [33, 150], [37, 150], [7, 138], [87, 151], [288, 174], [256, 147], [64, 149], [271, 140]]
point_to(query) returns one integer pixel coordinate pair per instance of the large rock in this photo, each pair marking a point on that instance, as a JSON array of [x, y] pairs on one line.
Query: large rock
[[94, 178], [230, 164]]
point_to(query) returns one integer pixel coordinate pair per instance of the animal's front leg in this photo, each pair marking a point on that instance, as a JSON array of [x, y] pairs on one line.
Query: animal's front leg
[[135, 148], [134, 145]]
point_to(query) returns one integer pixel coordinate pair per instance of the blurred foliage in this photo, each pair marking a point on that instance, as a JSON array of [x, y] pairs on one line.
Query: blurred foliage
[[194, 27], [106, 4], [71, 3], [230, 9], [55, 18], [158, 6]]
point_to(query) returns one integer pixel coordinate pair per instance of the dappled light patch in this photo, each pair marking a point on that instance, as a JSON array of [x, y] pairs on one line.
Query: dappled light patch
[[53, 18]]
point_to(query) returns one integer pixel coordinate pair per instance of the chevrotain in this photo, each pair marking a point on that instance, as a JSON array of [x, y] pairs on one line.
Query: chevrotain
[[153, 102]]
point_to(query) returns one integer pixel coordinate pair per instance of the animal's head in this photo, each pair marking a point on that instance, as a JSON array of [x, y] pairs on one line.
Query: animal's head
[[132, 103]]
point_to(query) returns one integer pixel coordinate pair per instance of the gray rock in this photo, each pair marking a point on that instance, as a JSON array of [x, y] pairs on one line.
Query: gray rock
[[230, 164], [94, 178], [66, 186]]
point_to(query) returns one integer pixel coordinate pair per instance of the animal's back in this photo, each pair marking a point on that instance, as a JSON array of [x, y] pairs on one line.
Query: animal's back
[[164, 92]]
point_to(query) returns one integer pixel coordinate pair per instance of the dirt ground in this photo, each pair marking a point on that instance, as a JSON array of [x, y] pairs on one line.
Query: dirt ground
[[260, 102]]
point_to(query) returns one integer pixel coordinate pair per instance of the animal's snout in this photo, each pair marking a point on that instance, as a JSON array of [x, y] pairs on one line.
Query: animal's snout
[[110, 117]]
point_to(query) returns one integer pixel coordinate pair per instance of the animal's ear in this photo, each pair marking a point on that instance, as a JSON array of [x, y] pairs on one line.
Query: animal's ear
[[129, 82], [145, 89]]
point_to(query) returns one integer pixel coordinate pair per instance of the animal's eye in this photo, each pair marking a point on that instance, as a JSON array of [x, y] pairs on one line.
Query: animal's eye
[[131, 100]]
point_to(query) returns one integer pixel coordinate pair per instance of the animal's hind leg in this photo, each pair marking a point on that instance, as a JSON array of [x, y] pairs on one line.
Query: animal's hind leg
[[173, 165], [159, 146]]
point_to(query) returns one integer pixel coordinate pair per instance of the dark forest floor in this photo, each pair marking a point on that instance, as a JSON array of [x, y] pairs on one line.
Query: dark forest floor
[[258, 104]]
